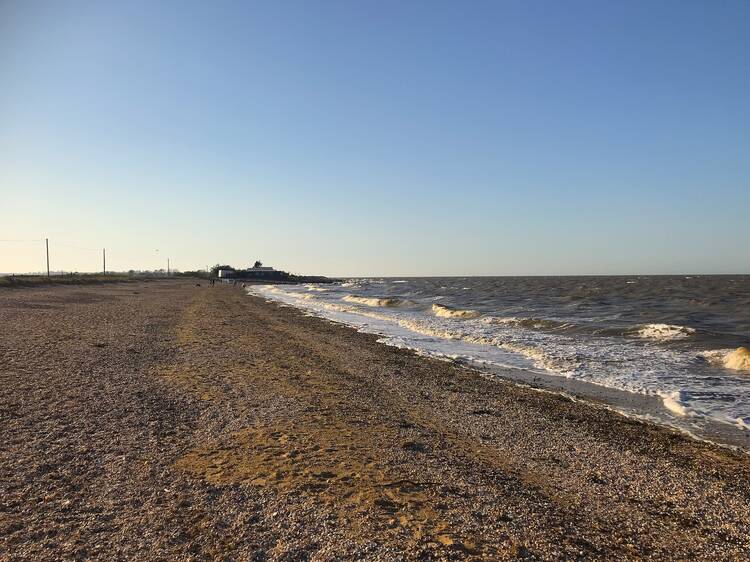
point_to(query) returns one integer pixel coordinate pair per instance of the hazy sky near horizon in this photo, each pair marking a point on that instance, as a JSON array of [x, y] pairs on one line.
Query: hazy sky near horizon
[[377, 138]]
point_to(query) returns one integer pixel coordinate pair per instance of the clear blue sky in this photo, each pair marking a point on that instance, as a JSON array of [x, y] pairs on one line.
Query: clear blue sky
[[377, 138]]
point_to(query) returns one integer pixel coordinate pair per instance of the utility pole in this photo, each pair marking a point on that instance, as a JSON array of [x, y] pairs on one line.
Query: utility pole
[[104, 260], [167, 267], [46, 244]]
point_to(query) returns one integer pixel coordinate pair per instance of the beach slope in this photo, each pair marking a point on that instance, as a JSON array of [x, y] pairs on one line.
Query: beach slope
[[173, 421]]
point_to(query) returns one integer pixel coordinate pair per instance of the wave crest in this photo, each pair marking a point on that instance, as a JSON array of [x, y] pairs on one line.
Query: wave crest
[[534, 323], [735, 359], [374, 301], [739, 359], [663, 332], [675, 403], [447, 312]]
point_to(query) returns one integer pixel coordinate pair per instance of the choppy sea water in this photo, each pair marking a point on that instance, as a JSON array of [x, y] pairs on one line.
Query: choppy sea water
[[674, 338]]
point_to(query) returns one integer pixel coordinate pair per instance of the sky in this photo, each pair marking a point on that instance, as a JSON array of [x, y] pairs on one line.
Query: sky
[[361, 138]]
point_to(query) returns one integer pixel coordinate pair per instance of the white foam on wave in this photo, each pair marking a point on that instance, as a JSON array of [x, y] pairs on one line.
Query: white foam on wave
[[674, 402], [739, 359], [374, 301], [303, 296], [534, 323], [735, 359], [443, 311], [664, 332]]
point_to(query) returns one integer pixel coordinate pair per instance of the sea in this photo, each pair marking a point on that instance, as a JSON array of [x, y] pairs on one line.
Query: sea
[[662, 348]]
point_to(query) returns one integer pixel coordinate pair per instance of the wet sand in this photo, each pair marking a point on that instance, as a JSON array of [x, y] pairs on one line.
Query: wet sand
[[165, 421], [649, 408]]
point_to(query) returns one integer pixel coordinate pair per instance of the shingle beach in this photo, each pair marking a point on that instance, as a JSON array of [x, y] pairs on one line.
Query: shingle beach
[[169, 421]]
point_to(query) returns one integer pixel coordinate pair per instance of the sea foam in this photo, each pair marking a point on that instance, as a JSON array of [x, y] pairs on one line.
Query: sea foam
[[664, 332], [447, 312], [373, 301], [735, 359], [533, 323], [739, 359], [674, 403]]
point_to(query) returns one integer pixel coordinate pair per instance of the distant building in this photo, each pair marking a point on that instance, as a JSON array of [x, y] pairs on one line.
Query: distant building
[[263, 272], [255, 272], [260, 273]]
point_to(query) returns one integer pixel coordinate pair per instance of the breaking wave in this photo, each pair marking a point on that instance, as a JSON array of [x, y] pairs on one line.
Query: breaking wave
[[735, 359], [532, 323], [374, 301], [675, 403], [663, 332], [447, 312]]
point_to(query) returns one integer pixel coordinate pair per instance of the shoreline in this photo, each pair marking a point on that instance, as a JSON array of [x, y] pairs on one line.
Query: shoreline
[[169, 420], [648, 408], [644, 408]]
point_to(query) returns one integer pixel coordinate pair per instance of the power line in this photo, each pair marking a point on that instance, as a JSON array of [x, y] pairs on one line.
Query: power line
[[71, 246], [65, 245], [34, 240]]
